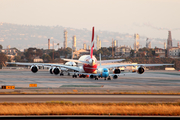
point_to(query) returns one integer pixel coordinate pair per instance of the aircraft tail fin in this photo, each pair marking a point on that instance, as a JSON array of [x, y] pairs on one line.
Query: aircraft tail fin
[[100, 59], [92, 43]]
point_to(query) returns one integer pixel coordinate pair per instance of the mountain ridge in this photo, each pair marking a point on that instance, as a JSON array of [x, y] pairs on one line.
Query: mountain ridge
[[25, 36]]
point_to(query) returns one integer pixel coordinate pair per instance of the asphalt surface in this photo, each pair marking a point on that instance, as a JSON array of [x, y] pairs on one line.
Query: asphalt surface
[[90, 98], [150, 81]]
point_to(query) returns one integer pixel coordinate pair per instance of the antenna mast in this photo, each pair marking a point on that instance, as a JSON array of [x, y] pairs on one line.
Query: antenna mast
[[112, 49], [53, 51]]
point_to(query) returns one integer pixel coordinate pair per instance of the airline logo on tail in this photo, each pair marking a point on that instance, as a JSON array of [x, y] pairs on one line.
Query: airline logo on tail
[[92, 42]]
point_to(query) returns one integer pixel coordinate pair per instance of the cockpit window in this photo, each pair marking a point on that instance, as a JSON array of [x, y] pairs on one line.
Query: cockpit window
[[105, 70]]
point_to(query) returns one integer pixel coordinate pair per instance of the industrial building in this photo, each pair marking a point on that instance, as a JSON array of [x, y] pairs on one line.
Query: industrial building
[[136, 44], [74, 43], [48, 43], [122, 51], [98, 42], [169, 43], [148, 43], [65, 39], [84, 46], [80, 52], [172, 51]]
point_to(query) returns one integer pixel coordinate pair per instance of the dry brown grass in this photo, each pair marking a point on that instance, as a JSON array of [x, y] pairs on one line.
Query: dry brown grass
[[69, 108]]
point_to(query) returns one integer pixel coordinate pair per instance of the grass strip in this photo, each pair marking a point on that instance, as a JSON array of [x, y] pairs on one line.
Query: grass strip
[[69, 108]]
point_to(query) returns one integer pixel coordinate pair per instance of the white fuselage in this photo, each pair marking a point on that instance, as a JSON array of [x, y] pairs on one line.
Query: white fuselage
[[91, 66]]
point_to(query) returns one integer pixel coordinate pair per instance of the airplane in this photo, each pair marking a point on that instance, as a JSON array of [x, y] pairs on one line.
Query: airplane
[[90, 66], [103, 71]]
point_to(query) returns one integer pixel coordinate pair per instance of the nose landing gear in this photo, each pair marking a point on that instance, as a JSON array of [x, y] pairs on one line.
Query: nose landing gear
[[96, 78]]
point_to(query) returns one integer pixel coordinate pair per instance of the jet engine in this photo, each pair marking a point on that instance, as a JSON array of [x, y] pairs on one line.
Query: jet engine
[[116, 71], [115, 77], [50, 70], [56, 70], [140, 70], [91, 76], [70, 63], [34, 68]]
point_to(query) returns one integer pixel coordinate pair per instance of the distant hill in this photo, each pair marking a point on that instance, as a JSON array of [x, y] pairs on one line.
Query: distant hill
[[25, 36]]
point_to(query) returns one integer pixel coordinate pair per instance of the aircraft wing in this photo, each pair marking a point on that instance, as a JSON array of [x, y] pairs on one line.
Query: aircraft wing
[[126, 65], [122, 74], [45, 65], [29, 64], [78, 61], [110, 61], [64, 66]]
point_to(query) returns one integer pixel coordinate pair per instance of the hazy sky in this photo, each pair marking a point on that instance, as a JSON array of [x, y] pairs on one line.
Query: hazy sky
[[152, 18]]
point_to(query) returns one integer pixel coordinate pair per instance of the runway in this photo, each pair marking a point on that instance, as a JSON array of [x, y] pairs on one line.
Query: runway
[[90, 98], [149, 81]]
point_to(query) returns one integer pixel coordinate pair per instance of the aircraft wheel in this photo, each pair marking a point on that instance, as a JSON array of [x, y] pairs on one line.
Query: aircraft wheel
[[68, 74], [73, 76]]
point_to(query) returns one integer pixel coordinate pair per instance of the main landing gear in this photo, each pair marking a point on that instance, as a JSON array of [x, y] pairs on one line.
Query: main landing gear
[[109, 78], [74, 76], [61, 74], [82, 76], [68, 74], [96, 78]]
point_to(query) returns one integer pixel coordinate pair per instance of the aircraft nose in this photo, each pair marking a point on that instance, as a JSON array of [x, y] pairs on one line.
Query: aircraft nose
[[105, 74]]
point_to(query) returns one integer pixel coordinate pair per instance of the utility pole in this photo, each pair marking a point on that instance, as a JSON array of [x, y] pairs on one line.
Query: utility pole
[[112, 50]]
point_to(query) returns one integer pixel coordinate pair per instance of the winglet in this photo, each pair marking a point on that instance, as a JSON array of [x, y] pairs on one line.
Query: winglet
[[92, 42]]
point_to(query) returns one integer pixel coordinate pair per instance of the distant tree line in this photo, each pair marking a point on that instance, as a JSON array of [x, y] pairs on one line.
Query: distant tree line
[[47, 55], [3, 59], [106, 53]]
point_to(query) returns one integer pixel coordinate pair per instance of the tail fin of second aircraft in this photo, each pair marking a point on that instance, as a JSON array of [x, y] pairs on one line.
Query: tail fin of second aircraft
[[92, 43], [100, 59]]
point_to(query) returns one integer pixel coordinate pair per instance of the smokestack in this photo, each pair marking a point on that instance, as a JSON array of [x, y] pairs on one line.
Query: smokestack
[[65, 39], [84, 46], [48, 43], [74, 42]]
